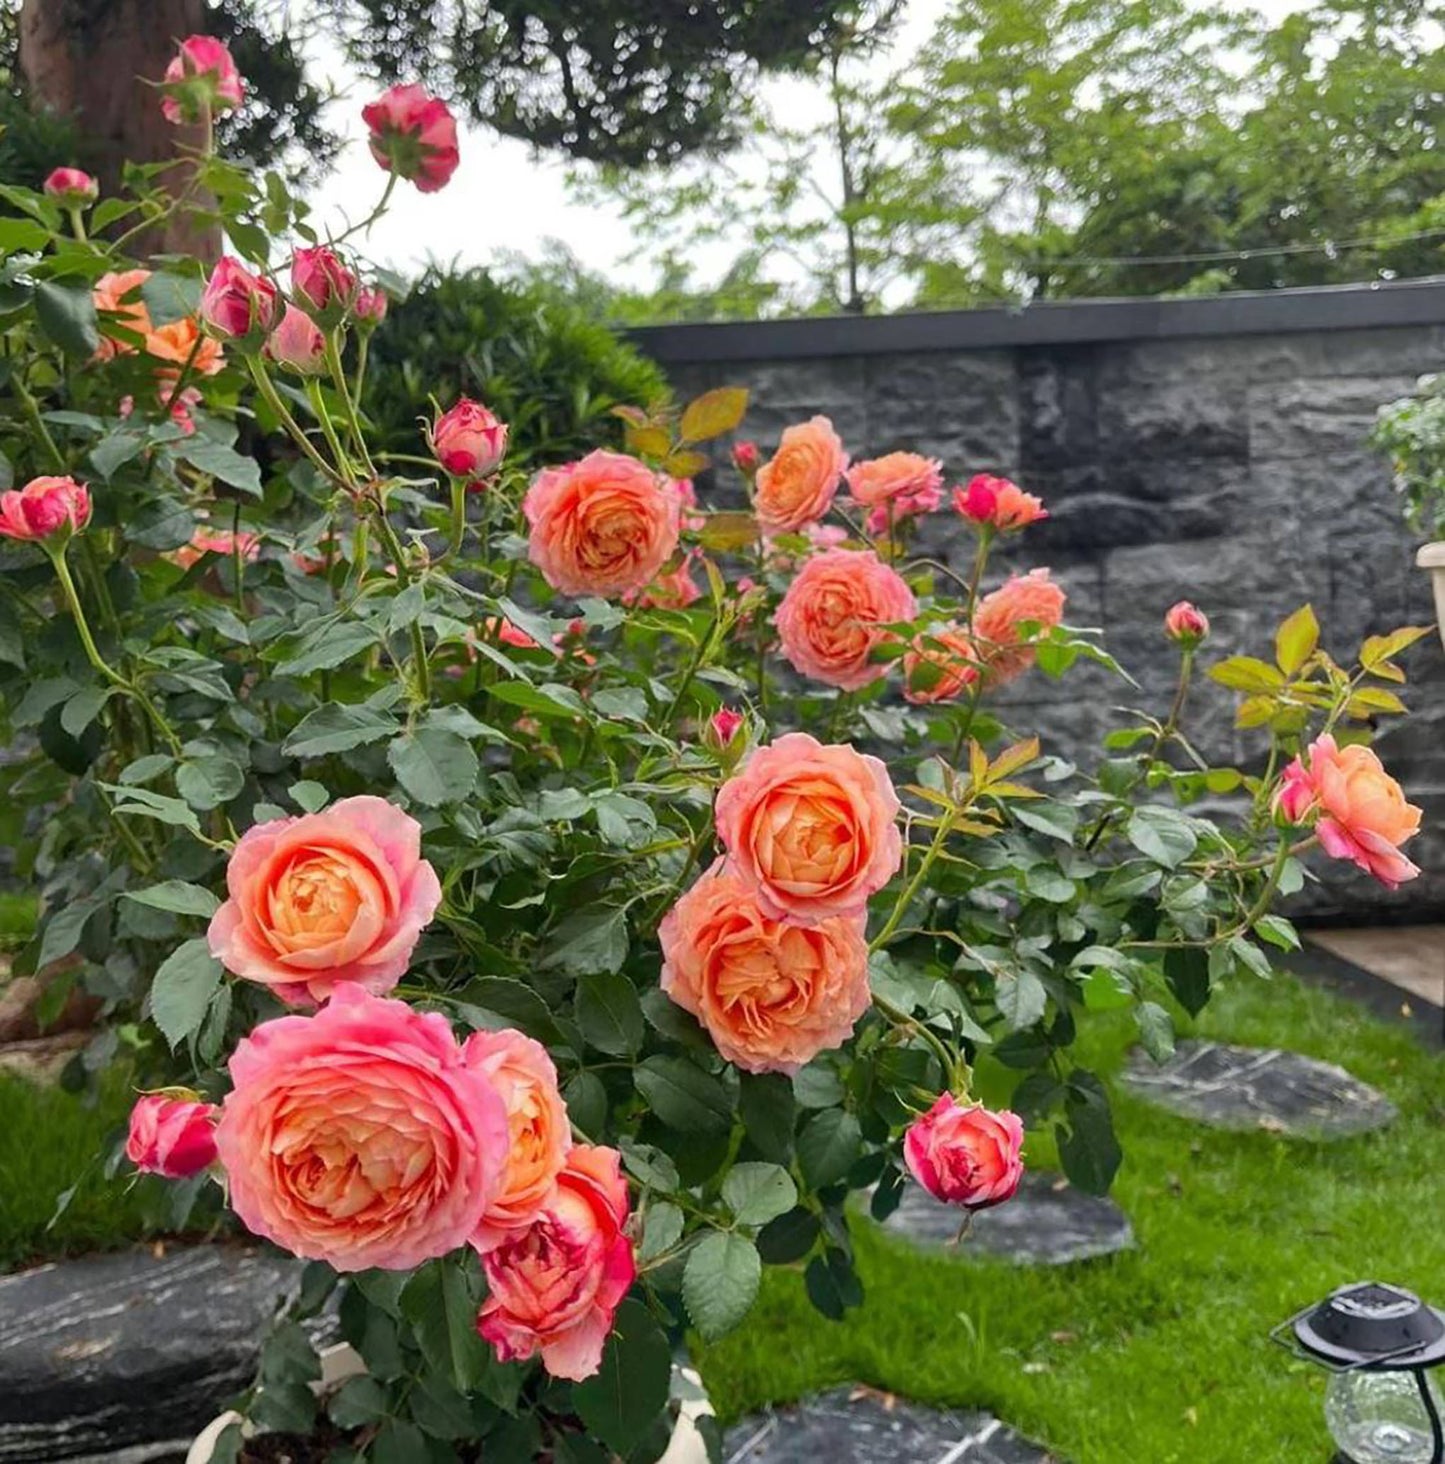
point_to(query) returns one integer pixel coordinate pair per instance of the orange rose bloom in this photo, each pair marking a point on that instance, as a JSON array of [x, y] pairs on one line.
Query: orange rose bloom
[[771, 994], [111, 305], [601, 526], [831, 617], [1363, 813], [175, 342], [942, 662], [539, 1135], [895, 475], [797, 485], [812, 829], [1032, 598]]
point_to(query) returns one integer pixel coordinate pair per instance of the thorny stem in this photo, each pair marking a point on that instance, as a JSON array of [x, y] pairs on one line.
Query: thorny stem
[[403, 575], [272, 398], [905, 899]]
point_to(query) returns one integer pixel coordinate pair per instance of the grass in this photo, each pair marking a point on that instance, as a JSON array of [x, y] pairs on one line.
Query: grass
[[1160, 1354]]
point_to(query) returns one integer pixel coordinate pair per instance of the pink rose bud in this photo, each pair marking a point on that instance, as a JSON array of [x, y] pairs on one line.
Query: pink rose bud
[[964, 1154], [174, 1137], [297, 343], [370, 306], [1186, 624], [321, 284], [745, 457], [413, 135], [977, 502], [45, 508], [469, 442], [1294, 799], [237, 305], [721, 735], [201, 80], [72, 188]]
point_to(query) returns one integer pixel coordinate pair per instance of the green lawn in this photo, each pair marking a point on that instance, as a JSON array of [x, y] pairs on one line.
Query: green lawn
[[1158, 1355]]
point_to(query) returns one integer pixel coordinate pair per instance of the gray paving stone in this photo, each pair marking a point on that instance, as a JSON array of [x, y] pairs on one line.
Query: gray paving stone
[[1048, 1223], [861, 1426], [1254, 1087]]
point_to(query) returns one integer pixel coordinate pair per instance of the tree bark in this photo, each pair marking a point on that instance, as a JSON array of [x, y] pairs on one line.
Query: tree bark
[[98, 60]]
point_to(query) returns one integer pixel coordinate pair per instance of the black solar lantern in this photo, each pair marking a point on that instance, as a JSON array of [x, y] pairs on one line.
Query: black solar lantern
[[1379, 1344]]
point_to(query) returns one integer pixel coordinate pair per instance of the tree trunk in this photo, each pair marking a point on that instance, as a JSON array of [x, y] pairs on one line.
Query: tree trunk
[[98, 60]]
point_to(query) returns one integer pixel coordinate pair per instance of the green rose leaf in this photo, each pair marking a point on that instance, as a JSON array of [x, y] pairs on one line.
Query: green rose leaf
[[610, 1014], [178, 897], [620, 1401], [757, 1193], [182, 990], [434, 766], [683, 1096], [720, 1282], [828, 1145]]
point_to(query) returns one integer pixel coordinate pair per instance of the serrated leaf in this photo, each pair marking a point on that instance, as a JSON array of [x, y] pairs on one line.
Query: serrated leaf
[[683, 1096], [720, 1283], [336, 728], [726, 533], [1246, 673], [628, 1393], [1277, 931], [1162, 834], [182, 990], [223, 463], [178, 897], [827, 1146], [757, 1193], [609, 1013], [587, 941], [67, 315], [433, 765], [1156, 1030], [324, 651], [207, 782], [1021, 998]]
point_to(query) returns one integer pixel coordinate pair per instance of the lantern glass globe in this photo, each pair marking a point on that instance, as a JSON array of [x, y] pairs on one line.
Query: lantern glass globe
[[1379, 1418]]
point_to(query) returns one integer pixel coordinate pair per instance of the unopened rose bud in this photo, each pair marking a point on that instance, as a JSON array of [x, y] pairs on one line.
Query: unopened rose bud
[[1295, 798], [72, 188], [321, 284], [202, 79], [746, 457], [297, 343], [237, 305], [174, 1137], [1186, 624], [722, 733], [44, 509], [370, 307], [469, 442]]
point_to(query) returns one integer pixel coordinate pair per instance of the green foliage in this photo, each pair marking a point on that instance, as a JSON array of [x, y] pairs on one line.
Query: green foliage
[[541, 364], [1411, 432]]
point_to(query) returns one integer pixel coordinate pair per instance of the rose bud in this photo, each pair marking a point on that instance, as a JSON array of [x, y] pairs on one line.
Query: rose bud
[[721, 734], [72, 188], [369, 307], [201, 80], [998, 503], [413, 135], [237, 305], [469, 442], [1186, 624], [977, 502], [321, 284], [297, 343], [964, 1154], [45, 508], [746, 457], [174, 1137], [1294, 800]]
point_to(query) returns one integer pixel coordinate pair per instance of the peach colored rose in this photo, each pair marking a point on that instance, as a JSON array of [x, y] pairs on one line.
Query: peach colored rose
[[998, 504], [359, 1136], [215, 541], [117, 301], [1032, 599], [964, 1154], [1363, 815], [830, 620], [174, 1137], [555, 1286], [539, 1135], [181, 342], [601, 526], [796, 485], [772, 994], [813, 829], [336, 896], [942, 663], [897, 474], [43, 508]]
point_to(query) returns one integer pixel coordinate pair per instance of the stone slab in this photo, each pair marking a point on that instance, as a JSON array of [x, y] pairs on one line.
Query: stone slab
[[114, 1352], [853, 1425], [1259, 1088], [1048, 1223], [1411, 957]]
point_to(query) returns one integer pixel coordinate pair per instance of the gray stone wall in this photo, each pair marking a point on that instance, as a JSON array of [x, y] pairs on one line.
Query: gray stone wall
[[1222, 460]]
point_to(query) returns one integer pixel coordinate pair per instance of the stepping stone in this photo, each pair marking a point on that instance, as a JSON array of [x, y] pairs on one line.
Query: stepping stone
[[117, 1356], [1048, 1223], [855, 1425], [1259, 1088]]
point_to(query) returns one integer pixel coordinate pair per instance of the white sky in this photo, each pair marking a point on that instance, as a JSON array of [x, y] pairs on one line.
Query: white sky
[[502, 197]]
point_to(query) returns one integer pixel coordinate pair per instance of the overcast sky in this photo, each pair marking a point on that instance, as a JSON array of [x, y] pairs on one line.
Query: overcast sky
[[502, 197]]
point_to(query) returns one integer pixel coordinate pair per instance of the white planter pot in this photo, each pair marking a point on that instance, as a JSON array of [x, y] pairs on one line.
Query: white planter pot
[[1432, 558], [342, 1362]]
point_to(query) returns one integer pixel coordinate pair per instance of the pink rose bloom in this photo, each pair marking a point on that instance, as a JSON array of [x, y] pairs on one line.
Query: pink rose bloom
[[469, 441], [1363, 813], [1186, 624], [71, 187], [216, 541], [370, 307], [830, 620], [321, 284], [942, 663], [1029, 599], [359, 1136], [413, 135], [1294, 799], [43, 508], [998, 503], [905, 506], [601, 526], [297, 343], [237, 304], [539, 1134], [898, 474], [772, 994], [174, 1137], [965, 1155], [330, 897], [555, 1287], [797, 484], [825, 536], [675, 590], [117, 301], [812, 829], [508, 634], [201, 78]]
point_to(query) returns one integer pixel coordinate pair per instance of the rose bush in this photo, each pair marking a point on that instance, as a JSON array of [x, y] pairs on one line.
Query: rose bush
[[557, 897]]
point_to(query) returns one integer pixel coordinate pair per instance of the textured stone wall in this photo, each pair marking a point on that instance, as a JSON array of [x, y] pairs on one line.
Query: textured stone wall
[[1227, 468]]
